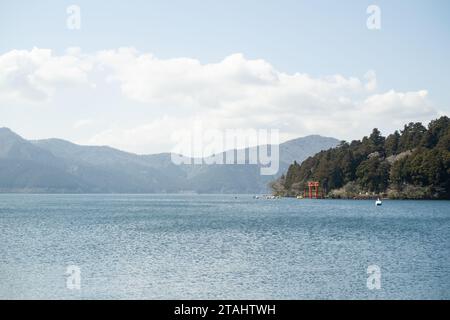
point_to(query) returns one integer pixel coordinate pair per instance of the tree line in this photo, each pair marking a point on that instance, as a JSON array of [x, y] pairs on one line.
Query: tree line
[[411, 164]]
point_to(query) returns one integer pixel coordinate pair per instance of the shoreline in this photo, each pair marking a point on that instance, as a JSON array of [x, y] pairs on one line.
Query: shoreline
[[366, 198]]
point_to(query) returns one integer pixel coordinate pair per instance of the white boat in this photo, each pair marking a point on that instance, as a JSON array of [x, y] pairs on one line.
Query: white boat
[[378, 202]]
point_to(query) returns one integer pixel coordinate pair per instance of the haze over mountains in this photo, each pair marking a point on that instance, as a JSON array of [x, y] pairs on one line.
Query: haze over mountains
[[59, 166]]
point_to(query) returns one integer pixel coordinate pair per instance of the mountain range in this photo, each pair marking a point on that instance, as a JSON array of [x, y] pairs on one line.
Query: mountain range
[[59, 166]]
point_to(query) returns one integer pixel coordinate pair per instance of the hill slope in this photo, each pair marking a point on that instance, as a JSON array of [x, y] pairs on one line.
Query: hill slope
[[414, 163]]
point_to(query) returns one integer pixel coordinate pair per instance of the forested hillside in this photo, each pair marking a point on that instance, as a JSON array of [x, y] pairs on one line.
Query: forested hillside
[[412, 164]]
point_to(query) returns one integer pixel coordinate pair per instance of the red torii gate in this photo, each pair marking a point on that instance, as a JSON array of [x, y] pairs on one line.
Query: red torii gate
[[313, 191]]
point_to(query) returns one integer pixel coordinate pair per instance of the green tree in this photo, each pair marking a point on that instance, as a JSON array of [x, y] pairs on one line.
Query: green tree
[[391, 144], [411, 136], [373, 174]]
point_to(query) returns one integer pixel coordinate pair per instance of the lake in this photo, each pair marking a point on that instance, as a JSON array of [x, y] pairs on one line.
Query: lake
[[221, 247]]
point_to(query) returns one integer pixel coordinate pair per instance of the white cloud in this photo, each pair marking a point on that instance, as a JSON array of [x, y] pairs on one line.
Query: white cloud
[[34, 75], [82, 123], [371, 79], [235, 92], [234, 82], [153, 137]]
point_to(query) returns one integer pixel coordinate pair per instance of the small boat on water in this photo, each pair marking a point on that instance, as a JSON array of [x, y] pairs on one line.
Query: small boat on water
[[378, 202]]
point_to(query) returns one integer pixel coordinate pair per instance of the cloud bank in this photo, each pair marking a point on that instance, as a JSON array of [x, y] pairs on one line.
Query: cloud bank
[[235, 92]]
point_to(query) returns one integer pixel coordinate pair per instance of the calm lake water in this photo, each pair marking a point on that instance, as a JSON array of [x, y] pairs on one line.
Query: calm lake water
[[219, 246]]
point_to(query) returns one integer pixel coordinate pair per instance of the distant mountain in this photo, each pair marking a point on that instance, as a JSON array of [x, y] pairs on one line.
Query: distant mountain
[[59, 166], [26, 167], [247, 178]]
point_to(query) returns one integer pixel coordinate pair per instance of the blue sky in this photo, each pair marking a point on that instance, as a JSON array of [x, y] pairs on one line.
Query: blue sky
[[319, 38]]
